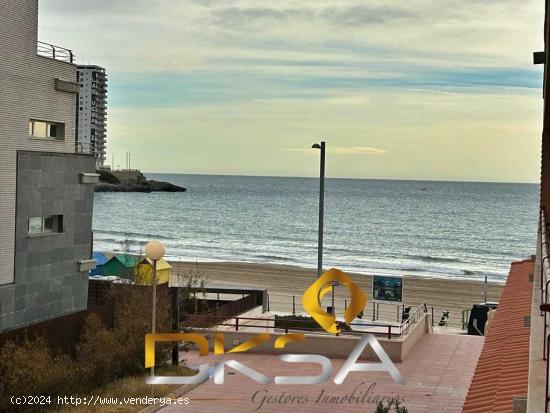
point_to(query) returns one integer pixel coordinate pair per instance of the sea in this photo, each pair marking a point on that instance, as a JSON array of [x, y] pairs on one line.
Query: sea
[[388, 227]]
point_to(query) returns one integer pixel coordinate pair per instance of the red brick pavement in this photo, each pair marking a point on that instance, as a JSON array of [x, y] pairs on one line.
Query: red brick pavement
[[437, 374]]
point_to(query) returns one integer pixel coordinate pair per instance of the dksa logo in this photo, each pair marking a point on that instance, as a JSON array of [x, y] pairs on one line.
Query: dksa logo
[[311, 303]]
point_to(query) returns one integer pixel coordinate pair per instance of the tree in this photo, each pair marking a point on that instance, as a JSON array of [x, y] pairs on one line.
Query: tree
[[193, 284]]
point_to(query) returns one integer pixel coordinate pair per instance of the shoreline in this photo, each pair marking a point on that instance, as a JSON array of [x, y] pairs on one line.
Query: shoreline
[[285, 281], [395, 273]]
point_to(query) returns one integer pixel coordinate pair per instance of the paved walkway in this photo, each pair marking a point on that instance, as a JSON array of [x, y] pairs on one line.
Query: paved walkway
[[437, 374]]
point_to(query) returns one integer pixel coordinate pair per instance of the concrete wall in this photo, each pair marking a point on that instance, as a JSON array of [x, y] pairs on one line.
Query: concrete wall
[[27, 90], [130, 176], [265, 325], [423, 326], [333, 346], [47, 280]]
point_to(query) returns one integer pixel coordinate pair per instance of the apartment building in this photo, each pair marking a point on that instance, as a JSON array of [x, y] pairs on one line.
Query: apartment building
[[46, 190], [92, 112]]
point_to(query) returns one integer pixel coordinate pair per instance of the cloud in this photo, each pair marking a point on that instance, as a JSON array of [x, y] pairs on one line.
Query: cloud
[[351, 15], [429, 77], [98, 7], [357, 150], [344, 150]]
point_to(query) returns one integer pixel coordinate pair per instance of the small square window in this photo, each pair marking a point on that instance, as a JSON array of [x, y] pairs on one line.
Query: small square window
[[35, 225], [46, 225], [40, 129], [52, 131], [46, 130]]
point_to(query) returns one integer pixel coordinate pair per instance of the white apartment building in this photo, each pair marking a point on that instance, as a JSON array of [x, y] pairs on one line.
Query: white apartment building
[[92, 112], [46, 190]]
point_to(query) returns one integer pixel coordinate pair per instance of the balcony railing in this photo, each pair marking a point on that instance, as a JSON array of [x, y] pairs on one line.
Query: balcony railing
[[55, 52], [544, 299]]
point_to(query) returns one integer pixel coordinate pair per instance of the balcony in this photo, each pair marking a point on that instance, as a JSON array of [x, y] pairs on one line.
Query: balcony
[[54, 52]]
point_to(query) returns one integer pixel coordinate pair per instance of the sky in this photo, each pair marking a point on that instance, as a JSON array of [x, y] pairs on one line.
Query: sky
[[419, 89]]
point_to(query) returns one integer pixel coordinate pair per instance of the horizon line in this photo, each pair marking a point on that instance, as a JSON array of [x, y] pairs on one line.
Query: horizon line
[[347, 178]]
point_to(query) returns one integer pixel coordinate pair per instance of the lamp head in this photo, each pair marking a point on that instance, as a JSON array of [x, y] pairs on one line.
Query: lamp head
[[154, 250], [316, 146]]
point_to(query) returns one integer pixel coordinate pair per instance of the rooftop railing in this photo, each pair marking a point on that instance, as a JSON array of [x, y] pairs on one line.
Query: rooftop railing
[[544, 299], [54, 52]]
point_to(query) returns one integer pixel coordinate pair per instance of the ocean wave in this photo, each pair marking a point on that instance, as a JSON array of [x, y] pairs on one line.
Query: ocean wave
[[131, 235], [431, 258], [273, 257], [179, 251]]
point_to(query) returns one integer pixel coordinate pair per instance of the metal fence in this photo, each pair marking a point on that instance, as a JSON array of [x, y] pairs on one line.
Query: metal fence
[[390, 331], [54, 52], [375, 311]]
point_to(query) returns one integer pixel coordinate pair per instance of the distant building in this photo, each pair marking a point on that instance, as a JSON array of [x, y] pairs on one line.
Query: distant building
[[46, 190], [92, 112]]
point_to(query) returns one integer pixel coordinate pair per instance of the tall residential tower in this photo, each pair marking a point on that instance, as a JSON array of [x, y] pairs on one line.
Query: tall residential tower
[[46, 190], [92, 112]]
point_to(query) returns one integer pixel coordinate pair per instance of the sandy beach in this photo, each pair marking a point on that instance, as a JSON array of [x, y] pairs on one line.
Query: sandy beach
[[282, 282]]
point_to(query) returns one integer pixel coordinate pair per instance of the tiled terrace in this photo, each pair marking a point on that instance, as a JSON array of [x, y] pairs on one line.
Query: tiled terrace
[[437, 374]]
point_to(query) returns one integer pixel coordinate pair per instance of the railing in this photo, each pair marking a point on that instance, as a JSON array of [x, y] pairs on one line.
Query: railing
[[54, 52], [374, 311], [414, 316], [293, 325], [545, 305]]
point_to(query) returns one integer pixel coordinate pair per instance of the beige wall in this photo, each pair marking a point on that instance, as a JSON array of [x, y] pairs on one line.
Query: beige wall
[[27, 90], [335, 347]]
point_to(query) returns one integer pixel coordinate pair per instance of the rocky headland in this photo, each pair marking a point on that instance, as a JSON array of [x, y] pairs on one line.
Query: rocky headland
[[132, 181]]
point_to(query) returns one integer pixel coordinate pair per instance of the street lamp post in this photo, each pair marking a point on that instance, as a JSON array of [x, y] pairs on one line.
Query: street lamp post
[[175, 323], [154, 251], [321, 147]]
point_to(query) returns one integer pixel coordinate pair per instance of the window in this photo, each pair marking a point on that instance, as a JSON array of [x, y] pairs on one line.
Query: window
[[46, 225], [46, 130]]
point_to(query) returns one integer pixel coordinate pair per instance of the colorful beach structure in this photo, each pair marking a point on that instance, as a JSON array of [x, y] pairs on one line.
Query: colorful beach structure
[[144, 271], [121, 266], [137, 269], [100, 260]]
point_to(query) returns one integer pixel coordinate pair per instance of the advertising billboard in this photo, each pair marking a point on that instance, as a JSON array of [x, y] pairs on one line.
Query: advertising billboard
[[387, 288]]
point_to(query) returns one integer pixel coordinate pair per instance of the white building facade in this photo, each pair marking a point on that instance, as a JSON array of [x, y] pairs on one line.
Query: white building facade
[[46, 190]]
